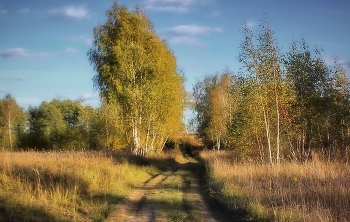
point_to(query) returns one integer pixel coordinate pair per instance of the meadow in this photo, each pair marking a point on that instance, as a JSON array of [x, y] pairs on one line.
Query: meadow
[[86, 186], [317, 190], [66, 186]]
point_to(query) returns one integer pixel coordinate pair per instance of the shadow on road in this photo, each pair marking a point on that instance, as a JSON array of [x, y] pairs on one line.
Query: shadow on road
[[196, 173]]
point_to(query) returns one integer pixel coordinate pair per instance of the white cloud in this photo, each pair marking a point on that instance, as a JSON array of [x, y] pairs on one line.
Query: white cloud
[[3, 12], [28, 101], [178, 9], [21, 52], [69, 51], [214, 14], [187, 34], [23, 11], [250, 24], [24, 53], [76, 12], [179, 6], [82, 38], [8, 77], [89, 96], [343, 63], [193, 30], [347, 64], [187, 40], [83, 97], [331, 61], [13, 52]]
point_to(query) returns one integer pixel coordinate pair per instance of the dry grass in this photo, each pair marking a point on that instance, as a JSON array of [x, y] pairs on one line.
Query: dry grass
[[64, 186], [314, 191]]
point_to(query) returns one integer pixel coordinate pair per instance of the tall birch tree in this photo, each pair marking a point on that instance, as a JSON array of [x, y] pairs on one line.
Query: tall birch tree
[[262, 61], [214, 105], [10, 114], [137, 70], [308, 76]]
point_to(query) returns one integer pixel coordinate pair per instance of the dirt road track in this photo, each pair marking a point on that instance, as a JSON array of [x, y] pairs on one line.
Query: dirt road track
[[133, 208], [140, 204]]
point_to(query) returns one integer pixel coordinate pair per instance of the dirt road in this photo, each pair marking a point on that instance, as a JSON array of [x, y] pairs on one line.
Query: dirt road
[[171, 195]]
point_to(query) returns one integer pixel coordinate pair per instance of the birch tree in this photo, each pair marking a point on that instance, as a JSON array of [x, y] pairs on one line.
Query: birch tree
[[308, 76], [137, 70], [262, 61], [10, 114], [215, 104]]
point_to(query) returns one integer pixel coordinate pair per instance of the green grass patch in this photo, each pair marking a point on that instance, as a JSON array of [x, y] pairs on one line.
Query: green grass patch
[[168, 199]]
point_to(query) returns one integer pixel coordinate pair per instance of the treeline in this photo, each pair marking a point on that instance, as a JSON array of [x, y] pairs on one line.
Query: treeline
[[60, 125], [279, 105], [69, 125]]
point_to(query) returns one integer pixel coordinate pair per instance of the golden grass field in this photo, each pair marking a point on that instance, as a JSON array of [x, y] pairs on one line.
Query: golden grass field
[[313, 191], [65, 186], [86, 186]]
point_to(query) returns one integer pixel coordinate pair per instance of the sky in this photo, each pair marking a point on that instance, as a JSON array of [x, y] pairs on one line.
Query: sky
[[44, 43]]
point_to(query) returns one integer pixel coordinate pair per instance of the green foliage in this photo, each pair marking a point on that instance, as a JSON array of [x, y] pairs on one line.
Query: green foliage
[[320, 109], [52, 125], [11, 122], [215, 103], [137, 72], [67, 125], [281, 105], [108, 128], [263, 63]]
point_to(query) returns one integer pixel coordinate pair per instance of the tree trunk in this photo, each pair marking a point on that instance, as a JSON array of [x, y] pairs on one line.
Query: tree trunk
[[151, 146], [10, 138], [136, 140], [218, 142], [278, 127], [261, 147], [267, 129], [9, 126], [107, 132], [164, 142], [147, 138]]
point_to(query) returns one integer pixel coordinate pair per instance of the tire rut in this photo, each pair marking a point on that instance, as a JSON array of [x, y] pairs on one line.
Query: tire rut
[[195, 202], [139, 205], [134, 207]]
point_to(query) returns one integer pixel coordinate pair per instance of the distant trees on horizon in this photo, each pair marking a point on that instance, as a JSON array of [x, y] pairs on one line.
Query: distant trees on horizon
[[57, 125]]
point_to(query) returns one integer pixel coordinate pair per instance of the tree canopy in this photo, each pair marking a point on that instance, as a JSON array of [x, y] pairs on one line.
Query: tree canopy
[[280, 105], [137, 71]]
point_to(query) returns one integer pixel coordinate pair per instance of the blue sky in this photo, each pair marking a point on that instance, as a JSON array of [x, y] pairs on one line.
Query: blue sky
[[43, 43]]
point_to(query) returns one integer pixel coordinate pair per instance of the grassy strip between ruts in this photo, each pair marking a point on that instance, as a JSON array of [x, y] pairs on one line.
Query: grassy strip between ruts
[[168, 198], [313, 191], [174, 197], [67, 186]]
